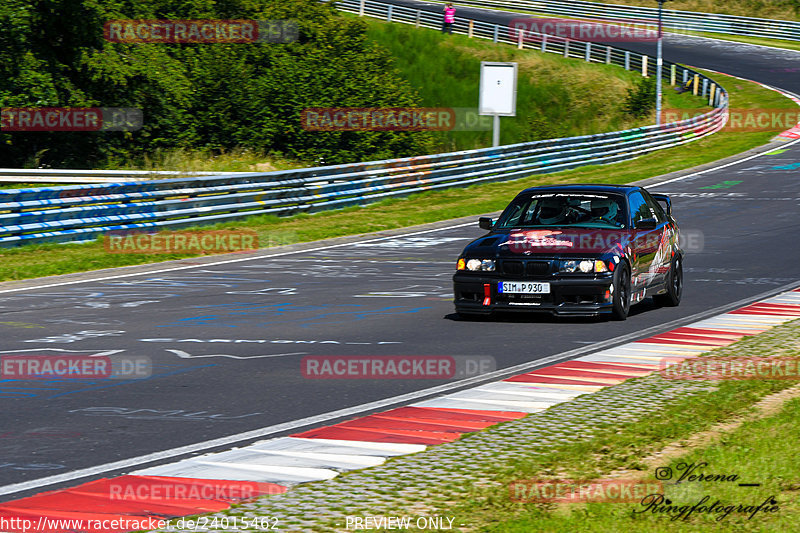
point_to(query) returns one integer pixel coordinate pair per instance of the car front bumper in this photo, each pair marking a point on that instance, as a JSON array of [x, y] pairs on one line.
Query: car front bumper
[[478, 294]]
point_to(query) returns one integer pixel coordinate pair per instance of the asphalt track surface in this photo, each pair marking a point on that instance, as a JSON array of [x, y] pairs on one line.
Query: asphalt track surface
[[226, 341]]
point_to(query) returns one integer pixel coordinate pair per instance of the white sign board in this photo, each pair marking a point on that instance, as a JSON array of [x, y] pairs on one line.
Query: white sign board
[[498, 94]]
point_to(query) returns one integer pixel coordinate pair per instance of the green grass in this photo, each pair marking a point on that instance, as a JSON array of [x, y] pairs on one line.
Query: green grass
[[52, 259], [759, 451], [556, 97], [238, 160]]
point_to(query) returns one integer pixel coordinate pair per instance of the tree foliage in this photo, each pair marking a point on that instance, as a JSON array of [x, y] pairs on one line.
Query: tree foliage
[[641, 99], [199, 96]]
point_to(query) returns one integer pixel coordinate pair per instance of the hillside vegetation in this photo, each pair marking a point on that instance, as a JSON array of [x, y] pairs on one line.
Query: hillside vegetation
[[211, 97], [556, 97], [768, 9], [238, 106]]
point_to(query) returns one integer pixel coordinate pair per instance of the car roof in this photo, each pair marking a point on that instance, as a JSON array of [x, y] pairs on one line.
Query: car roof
[[580, 188]]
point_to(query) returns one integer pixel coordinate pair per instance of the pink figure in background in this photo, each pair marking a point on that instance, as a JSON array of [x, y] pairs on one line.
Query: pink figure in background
[[449, 18]]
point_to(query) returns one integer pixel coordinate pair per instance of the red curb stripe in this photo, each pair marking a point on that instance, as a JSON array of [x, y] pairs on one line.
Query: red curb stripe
[[379, 422], [372, 435], [76, 514], [222, 490], [49, 521], [530, 378], [764, 312], [567, 372], [661, 340], [767, 310], [593, 366], [587, 365], [135, 498], [435, 413], [465, 426], [687, 337], [711, 332], [695, 340], [767, 304], [439, 436], [784, 308], [103, 504]]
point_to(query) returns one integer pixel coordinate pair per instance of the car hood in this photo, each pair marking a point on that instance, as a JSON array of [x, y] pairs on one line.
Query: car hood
[[522, 242]]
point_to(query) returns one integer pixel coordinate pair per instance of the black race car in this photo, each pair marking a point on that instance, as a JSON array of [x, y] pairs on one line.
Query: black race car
[[573, 250]]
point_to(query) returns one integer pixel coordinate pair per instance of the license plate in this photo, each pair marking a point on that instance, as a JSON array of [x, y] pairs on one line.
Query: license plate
[[522, 287]]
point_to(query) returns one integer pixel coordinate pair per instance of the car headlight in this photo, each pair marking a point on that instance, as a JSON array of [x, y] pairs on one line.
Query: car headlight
[[568, 266], [476, 265], [582, 265]]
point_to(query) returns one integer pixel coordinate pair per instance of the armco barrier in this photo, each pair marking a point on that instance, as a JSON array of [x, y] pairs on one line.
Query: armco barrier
[[57, 175], [82, 212], [674, 20]]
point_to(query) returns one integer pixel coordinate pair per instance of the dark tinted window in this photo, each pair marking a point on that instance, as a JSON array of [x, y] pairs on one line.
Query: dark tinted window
[[655, 207], [557, 209], [639, 208]]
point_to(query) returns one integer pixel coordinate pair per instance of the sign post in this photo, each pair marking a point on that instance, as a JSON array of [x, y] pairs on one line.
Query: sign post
[[659, 60], [498, 93]]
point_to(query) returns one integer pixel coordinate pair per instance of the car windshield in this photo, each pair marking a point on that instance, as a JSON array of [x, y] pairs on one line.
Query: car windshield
[[548, 210]]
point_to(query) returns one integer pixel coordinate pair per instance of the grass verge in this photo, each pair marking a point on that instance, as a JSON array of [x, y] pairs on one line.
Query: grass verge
[[556, 97], [52, 259], [757, 451]]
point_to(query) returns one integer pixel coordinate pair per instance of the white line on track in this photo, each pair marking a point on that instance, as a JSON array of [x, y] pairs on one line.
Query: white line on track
[[788, 94], [227, 261], [651, 185], [186, 355]]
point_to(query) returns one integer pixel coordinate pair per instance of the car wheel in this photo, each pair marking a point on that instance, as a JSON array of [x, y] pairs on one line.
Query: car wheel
[[674, 285], [621, 300]]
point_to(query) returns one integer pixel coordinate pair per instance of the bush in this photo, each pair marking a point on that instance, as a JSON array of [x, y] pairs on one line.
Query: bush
[[641, 99], [212, 97]]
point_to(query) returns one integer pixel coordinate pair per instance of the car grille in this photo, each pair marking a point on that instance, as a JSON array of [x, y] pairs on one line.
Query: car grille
[[537, 268], [525, 269]]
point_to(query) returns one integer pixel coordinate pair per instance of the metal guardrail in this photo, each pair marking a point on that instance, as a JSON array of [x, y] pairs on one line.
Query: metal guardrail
[[675, 20], [80, 213], [57, 175]]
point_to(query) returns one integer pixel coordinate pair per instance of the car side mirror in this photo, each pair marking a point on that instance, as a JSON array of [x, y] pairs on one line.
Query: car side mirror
[[485, 223], [666, 201], [647, 223]]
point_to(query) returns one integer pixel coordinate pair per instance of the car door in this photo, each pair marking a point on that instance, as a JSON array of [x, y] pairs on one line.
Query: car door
[[664, 234], [646, 243]]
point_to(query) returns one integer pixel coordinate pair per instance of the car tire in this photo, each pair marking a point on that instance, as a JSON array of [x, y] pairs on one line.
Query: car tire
[[674, 285], [621, 299]]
